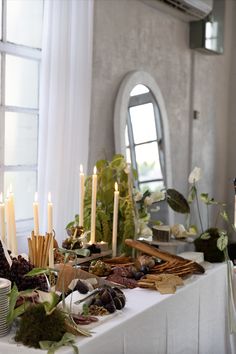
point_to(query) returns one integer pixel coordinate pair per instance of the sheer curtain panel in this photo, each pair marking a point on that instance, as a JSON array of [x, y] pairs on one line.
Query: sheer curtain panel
[[64, 107]]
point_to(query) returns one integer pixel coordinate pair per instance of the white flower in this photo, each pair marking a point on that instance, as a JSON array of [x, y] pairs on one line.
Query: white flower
[[158, 196], [138, 196], [127, 168], [144, 230], [178, 230], [195, 175], [155, 209], [148, 201]]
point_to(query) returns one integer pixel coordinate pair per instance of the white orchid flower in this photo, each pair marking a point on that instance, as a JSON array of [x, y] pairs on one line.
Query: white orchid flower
[[138, 196], [148, 201], [155, 209], [195, 175], [158, 196], [144, 230]]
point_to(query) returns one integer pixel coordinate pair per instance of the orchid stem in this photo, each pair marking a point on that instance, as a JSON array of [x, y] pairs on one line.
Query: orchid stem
[[207, 216], [198, 209]]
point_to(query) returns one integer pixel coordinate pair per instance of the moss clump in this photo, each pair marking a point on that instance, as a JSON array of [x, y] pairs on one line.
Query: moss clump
[[209, 246], [36, 326]]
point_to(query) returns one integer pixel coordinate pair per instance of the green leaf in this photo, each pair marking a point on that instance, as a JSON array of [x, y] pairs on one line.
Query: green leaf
[[101, 164], [204, 198], [85, 309], [68, 226], [233, 227], [12, 303], [192, 194], [157, 222], [78, 252], [68, 339], [224, 215], [49, 300], [193, 230], [222, 242], [37, 271], [15, 312], [177, 201], [205, 236]]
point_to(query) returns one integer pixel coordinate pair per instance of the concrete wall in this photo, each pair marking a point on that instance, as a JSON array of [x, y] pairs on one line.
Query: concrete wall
[[130, 35]]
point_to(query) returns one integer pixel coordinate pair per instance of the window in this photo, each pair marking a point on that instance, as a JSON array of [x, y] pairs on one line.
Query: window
[[143, 139], [20, 54]]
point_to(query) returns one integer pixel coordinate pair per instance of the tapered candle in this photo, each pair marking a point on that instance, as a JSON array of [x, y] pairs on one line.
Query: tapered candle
[[8, 221], [36, 214], [2, 218], [51, 254], [93, 207], [50, 214], [115, 221], [81, 197], [12, 222]]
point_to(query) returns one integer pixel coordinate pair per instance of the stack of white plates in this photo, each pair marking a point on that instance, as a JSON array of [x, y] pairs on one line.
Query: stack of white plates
[[5, 287]]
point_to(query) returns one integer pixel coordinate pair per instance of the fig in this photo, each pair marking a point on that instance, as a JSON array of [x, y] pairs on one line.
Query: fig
[[118, 303], [144, 269], [122, 300], [138, 275], [97, 302], [106, 297], [110, 307], [81, 287]]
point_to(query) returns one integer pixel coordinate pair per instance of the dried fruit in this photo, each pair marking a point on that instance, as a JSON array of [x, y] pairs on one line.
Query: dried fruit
[[110, 307], [118, 303], [81, 287]]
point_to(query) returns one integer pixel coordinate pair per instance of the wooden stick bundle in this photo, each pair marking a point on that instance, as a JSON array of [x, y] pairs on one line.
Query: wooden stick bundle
[[39, 247]]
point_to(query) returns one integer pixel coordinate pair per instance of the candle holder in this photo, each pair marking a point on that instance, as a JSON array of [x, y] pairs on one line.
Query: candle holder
[[102, 245]]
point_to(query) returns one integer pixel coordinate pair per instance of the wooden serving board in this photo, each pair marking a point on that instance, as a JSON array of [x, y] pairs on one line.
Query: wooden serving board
[[174, 264]]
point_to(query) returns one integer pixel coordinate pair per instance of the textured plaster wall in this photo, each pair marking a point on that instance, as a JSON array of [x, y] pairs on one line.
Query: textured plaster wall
[[129, 35]]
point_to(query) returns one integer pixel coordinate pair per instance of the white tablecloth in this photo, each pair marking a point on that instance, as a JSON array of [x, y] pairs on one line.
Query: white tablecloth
[[194, 320]]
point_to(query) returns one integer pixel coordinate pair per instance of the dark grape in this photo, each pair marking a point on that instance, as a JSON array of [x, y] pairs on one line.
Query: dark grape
[[4, 265]]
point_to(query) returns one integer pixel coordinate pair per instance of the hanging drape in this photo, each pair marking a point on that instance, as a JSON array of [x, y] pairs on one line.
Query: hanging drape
[[64, 107]]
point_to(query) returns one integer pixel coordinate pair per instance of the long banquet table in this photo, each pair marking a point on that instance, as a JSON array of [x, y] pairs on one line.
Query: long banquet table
[[194, 320]]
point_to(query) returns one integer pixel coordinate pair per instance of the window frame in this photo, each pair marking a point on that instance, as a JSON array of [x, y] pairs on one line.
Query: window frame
[[25, 52], [138, 100]]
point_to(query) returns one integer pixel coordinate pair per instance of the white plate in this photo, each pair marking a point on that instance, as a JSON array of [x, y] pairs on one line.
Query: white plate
[[4, 283]]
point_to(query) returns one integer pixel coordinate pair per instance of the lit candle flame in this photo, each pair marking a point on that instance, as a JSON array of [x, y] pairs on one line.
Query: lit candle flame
[[95, 170], [1, 198], [36, 196], [10, 188], [81, 168], [49, 197], [116, 186]]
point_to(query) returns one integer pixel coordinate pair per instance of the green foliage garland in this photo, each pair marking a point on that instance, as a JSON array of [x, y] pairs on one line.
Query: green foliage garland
[[108, 173]]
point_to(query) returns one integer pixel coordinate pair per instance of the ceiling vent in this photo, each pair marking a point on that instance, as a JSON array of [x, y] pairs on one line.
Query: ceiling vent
[[186, 10]]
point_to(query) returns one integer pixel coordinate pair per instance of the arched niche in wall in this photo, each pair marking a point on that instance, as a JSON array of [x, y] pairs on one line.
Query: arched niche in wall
[[131, 80]]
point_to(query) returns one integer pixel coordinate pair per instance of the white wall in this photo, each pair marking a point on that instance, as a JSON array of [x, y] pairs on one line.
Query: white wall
[[130, 35]]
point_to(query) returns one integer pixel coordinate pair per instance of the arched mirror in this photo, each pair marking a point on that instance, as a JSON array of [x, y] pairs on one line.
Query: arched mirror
[[142, 132], [144, 139]]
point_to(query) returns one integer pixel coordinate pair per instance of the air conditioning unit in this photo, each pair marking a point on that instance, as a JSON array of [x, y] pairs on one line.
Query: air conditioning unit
[[186, 10]]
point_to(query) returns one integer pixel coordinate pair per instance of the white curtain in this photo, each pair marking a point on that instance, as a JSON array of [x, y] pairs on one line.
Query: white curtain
[[64, 107]]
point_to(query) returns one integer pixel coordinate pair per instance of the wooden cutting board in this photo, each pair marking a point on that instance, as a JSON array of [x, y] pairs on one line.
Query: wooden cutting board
[[165, 256]]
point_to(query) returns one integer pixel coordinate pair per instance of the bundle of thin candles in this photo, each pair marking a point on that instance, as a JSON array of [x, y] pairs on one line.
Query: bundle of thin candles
[[39, 249]]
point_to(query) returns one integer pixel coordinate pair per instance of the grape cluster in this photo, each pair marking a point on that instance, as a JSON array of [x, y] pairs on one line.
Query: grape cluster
[[20, 267], [4, 265], [16, 273]]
